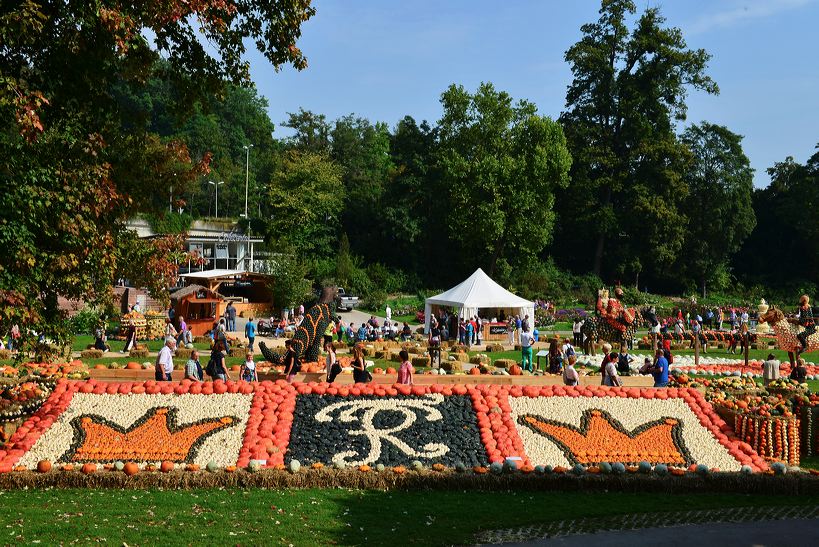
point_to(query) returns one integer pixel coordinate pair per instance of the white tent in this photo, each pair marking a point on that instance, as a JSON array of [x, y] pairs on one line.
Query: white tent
[[479, 291]]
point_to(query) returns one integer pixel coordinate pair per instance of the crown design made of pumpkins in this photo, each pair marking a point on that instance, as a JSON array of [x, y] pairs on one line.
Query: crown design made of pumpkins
[[601, 438], [153, 437]]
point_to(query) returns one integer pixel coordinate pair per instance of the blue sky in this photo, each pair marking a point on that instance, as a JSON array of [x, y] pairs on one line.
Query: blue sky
[[384, 59]]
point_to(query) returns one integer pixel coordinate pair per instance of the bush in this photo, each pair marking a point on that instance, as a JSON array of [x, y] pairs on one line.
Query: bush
[[86, 320], [375, 300]]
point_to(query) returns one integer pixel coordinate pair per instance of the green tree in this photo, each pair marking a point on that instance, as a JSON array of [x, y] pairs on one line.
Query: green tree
[[74, 165], [305, 204], [720, 214], [289, 284], [311, 132], [361, 149], [783, 250], [501, 163], [628, 90]]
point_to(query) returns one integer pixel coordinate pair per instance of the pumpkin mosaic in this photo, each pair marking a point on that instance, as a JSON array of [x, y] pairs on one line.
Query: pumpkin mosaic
[[221, 425]]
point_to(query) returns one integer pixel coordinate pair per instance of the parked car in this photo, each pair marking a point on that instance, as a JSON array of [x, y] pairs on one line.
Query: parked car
[[344, 301]]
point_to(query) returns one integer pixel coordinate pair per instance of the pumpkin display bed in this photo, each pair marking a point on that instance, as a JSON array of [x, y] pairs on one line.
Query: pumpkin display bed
[[429, 430]]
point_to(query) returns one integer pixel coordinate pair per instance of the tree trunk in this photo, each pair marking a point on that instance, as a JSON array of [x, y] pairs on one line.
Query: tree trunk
[[703, 288], [637, 281]]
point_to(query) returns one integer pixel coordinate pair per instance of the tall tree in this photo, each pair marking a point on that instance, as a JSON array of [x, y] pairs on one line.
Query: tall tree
[[501, 163], [362, 148], [628, 90], [718, 205], [783, 249], [305, 204], [73, 164], [311, 131]]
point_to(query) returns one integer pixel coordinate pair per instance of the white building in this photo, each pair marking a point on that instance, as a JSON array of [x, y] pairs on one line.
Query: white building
[[220, 242]]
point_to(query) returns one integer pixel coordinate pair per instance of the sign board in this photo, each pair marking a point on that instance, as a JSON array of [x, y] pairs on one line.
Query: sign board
[[222, 250], [497, 329]]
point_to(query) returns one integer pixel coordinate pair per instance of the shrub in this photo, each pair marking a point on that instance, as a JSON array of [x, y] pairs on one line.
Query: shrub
[[86, 320]]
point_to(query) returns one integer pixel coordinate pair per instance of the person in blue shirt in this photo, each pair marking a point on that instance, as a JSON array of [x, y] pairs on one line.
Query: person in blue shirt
[[469, 330], [250, 333], [362, 333], [660, 370]]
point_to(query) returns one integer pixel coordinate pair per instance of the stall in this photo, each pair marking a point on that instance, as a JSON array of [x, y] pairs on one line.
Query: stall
[[201, 307], [479, 294]]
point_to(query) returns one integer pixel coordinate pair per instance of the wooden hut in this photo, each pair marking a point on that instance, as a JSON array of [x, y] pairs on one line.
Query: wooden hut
[[200, 306]]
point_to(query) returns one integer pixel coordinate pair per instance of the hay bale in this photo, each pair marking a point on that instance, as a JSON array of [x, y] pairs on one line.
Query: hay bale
[[340, 345], [139, 353], [452, 366], [479, 359], [394, 357], [460, 356], [494, 347], [420, 361], [415, 350], [369, 351], [183, 353], [505, 363], [202, 340], [237, 352], [5, 354], [382, 353], [91, 354]]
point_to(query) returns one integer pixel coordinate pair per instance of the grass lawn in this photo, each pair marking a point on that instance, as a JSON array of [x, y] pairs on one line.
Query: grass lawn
[[318, 517]]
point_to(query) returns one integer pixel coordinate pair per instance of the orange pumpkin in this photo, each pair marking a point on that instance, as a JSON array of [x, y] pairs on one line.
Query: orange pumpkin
[[43, 466], [515, 370], [192, 467], [133, 366], [166, 466], [131, 468], [474, 371], [89, 468]]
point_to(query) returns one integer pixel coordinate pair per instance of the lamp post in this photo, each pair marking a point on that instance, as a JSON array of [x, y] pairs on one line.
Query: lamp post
[[216, 184], [247, 172]]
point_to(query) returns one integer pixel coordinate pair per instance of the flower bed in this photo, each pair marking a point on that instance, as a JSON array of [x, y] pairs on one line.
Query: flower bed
[[236, 424]]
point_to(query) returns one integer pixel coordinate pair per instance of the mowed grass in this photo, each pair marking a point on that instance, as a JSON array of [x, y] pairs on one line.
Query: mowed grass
[[317, 517]]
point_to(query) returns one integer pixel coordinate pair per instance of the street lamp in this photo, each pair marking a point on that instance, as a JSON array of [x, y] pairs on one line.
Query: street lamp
[[216, 184], [247, 172]]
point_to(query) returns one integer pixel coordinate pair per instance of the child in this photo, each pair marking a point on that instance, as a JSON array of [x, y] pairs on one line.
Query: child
[[248, 370], [405, 372], [333, 366], [291, 363]]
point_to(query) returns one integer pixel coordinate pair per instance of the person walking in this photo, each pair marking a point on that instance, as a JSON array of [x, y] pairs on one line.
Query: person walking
[[470, 331], [510, 330], [329, 331], [230, 314], [193, 369], [608, 371], [185, 336], [406, 370], [164, 360], [660, 370], [332, 365], [360, 373], [804, 318], [770, 369], [388, 313], [216, 365], [250, 334], [526, 343], [292, 366], [555, 358], [570, 375]]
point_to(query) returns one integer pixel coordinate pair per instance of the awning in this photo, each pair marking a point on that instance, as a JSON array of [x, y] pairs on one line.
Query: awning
[[213, 274]]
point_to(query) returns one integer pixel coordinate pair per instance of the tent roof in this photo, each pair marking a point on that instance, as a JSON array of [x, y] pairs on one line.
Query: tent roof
[[479, 291], [213, 274]]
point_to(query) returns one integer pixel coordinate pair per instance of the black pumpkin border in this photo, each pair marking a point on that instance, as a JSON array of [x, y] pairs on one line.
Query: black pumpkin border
[[171, 422]]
